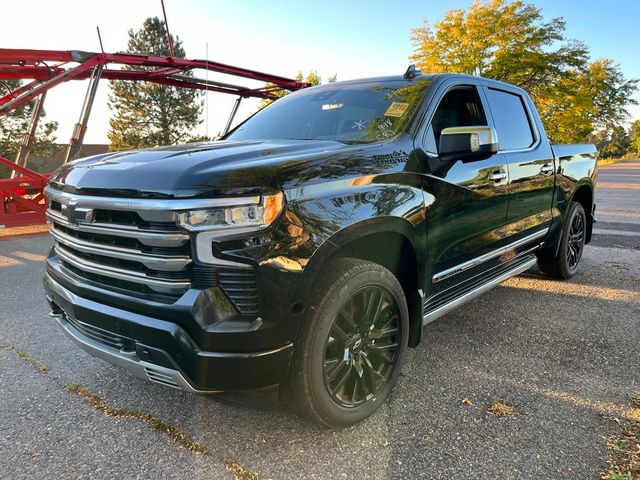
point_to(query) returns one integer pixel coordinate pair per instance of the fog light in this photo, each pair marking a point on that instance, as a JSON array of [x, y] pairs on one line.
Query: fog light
[[212, 306]]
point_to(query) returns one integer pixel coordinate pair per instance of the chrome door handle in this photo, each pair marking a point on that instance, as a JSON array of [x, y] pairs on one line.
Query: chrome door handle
[[497, 176], [547, 169]]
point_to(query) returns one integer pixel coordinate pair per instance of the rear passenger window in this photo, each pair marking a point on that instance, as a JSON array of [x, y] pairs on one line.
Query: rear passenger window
[[511, 119]]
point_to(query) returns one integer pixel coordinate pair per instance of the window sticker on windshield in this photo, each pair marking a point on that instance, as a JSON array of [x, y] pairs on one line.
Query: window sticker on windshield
[[396, 109]]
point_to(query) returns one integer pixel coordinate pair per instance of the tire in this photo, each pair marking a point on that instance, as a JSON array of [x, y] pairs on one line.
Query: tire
[[342, 344], [565, 264]]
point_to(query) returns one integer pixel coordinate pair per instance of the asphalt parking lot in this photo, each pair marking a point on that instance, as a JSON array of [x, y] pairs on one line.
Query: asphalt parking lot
[[564, 355]]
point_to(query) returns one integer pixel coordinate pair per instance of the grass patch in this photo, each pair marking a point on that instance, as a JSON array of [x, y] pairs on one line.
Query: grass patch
[[611, 161], [624, 449], [239, 472], [624, 455], [153, 422], [25, 357], [619, 476], [500, 409]]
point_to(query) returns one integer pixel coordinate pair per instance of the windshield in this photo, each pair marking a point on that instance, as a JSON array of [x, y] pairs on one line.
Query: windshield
[[351, 113]]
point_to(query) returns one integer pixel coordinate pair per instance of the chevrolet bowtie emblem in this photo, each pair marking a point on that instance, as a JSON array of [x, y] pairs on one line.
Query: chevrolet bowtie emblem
[[75, 214]]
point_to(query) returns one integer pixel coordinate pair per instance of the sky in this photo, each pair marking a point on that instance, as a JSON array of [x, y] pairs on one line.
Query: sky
[[352, 39]]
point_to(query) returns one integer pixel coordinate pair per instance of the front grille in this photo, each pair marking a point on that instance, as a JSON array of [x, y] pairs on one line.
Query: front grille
[[141, 253], [135, 255]]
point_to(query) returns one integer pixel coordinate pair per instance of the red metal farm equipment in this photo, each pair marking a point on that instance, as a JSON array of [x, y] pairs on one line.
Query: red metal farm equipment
[[22, 201]]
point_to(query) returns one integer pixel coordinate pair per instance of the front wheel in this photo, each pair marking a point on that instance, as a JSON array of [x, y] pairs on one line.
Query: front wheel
[[351, 346], [565, 263]]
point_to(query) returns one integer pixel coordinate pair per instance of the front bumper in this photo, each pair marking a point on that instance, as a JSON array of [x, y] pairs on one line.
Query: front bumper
[[159, 350], [124, 358]]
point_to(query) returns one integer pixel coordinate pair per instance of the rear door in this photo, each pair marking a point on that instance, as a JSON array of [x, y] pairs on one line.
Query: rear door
[[530, 160]]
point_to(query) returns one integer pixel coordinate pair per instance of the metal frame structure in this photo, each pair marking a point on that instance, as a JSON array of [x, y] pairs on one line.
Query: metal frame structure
[[21, 199]]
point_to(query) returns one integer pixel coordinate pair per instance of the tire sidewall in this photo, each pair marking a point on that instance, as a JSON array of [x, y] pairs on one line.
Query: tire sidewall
[[576, 209]]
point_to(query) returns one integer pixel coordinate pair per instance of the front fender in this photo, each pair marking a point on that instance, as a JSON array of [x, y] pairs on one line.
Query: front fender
[[333, 214]]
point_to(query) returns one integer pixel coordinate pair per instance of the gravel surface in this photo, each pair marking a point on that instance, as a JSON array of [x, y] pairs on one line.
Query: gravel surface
[[564, 355]]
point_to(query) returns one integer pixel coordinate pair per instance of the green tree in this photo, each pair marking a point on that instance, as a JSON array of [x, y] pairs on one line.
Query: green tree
[[312, 79], [611, 143], [15, 125], [512, 42], [634, 135], [149, 114], [611, 92]]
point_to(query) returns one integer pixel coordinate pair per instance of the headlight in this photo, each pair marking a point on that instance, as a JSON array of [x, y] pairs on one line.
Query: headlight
[[238, 217]]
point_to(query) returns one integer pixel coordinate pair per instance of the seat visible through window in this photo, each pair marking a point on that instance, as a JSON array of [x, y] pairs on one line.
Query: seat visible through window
[[459, 108]]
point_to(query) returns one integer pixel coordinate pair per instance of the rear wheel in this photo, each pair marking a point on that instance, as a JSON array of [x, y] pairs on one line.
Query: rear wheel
[[351, 346], [565, 263]]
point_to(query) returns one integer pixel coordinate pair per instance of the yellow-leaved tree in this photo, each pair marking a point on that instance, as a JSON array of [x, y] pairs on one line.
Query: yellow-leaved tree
[[512, 42]]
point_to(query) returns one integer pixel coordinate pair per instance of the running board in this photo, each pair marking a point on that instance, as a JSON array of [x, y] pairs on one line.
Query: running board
[[444, 309]]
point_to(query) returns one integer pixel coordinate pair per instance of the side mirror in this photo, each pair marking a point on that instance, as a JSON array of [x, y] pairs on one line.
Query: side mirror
[[467, 142]]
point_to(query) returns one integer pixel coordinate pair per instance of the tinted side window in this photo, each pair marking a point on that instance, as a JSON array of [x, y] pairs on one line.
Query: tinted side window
[[511, 119], [459, 107]]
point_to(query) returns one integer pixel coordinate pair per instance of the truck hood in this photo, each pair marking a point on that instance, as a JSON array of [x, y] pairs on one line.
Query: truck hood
[[223, 167]]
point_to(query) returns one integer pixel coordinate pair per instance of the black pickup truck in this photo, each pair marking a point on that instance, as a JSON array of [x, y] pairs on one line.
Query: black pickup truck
[[304, 252]]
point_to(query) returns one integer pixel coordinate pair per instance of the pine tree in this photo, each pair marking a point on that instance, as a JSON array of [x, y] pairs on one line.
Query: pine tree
[[149, 114], [15, 125]]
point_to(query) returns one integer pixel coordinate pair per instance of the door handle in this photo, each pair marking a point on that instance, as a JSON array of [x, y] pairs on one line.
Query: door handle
[[547, 168], [497, 176]]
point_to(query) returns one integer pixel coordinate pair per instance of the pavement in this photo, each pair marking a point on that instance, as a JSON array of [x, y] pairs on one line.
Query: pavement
[[564, 355]]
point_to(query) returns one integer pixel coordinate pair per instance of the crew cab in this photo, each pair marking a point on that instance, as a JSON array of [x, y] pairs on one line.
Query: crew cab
[[304, 252]]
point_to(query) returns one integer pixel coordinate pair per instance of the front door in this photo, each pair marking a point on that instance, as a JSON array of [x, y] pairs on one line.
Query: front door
[[466, 201]]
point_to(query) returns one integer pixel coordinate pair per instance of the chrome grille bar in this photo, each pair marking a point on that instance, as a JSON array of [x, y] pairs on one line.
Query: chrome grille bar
[[160, 210], [154, 262], [121, 243], [152, 238], [159, 285]]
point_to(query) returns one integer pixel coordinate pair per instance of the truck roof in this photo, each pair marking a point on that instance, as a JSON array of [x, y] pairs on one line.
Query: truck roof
[[433, 76]]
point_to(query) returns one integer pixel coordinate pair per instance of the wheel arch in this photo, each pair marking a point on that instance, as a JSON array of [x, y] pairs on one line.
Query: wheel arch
[[387, 241], [584, 195]]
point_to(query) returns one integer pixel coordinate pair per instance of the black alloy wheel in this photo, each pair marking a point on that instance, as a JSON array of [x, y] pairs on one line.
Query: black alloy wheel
[[575, 242], [572, 239], [362, 346], [353, 339]]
